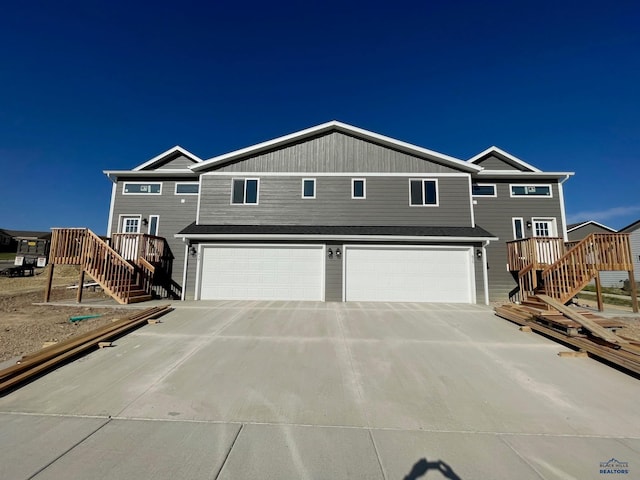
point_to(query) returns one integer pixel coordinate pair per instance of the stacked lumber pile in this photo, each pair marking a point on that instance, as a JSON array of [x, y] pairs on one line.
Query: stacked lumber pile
[[582, 330], [30, 366]]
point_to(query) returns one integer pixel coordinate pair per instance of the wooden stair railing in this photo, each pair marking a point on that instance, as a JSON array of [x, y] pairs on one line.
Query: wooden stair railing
[[126, 282], [575, 269]]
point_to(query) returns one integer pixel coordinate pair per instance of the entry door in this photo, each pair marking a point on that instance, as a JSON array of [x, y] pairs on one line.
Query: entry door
[[129, 245], [545, 227]]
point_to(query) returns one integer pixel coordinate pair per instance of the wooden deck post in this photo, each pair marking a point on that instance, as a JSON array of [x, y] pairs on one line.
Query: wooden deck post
[[47, 292], [634, 291], [80, 286], [599, 292]]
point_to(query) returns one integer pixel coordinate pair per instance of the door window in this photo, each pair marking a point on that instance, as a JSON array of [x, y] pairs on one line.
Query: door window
[[543, 227], [131, 225]]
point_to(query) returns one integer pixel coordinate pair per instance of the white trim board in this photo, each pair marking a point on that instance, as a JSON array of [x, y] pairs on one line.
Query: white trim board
[[376, 238]]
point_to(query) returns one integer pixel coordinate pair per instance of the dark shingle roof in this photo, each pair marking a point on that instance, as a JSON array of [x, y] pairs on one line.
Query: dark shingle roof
[[412, 231]]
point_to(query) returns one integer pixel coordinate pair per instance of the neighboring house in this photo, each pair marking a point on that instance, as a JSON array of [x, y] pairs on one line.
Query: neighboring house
[[338, 213], [578, 231], [617, 279], [9, 238]]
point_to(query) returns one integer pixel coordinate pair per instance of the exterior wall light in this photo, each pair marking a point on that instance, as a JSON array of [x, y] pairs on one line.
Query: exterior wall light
[[479, 253], [528, 224], [145, 222], [338, 253], [330, 253], [192, 250]]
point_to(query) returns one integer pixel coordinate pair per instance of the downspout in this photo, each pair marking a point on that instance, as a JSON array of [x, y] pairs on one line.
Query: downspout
[[485, 272], [184, 272], [563, 215]]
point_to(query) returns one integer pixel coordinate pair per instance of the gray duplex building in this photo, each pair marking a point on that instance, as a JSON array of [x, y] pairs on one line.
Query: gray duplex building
[[338, 213]]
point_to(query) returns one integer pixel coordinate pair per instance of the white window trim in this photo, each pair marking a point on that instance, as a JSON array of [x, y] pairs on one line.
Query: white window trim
[[364, 188], [511, 185], [554, 226], [128, 215], [175, 191], [124, 186], [314, 188], [513, 225], [422, 180], [495, 190], [157, 217], [244, 200]]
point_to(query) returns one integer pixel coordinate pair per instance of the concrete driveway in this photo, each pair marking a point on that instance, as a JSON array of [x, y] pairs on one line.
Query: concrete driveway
[[231, 390]]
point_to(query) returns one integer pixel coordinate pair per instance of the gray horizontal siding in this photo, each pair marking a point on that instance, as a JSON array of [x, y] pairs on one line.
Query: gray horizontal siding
[[336, 152], [173, 212], [178, 162], [495, 214], [495, 163], [386, 202]]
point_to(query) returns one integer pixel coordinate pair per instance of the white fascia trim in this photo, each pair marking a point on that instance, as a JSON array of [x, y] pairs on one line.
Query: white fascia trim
[[335, 174], [532, 175], [199, 199], [165, 154], [335, 125], [115, 174], [591, 222], [390, 238], [113, 201], [508, 156]]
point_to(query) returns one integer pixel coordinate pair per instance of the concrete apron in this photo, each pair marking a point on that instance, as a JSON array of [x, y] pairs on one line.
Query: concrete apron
[[323, 390]]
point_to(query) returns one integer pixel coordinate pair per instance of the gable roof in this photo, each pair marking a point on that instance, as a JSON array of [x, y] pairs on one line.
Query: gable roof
[[631, 227], [507, 157], [335, 126], [159, 159], [575, 226]]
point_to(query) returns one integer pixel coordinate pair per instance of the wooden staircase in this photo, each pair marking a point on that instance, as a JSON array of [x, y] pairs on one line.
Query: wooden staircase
[[125, 272], [546, 266]]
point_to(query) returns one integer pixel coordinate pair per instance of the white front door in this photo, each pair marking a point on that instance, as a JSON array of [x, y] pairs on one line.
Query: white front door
[[129, 246], [546, 249]]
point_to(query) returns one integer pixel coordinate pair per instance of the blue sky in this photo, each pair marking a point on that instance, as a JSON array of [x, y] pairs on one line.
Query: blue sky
[[89, 86]]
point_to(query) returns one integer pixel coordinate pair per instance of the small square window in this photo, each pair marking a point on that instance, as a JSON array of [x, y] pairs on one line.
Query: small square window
[[308, 188], [244, 191], [423, 192], [358, 188]]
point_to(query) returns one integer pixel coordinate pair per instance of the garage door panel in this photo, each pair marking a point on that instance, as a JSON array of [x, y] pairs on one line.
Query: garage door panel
[[403, 274], [262, 273]]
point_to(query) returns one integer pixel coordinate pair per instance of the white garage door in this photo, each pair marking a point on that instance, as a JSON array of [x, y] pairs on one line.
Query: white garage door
[[409, 274], [262, 272]]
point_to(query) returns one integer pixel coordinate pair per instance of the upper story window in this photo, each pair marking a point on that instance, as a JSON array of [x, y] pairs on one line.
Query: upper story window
[[308, 188], [141, 188], [423, 192], [245, 191], [530, 190], [187, 188], [358, 188], [483, 190]]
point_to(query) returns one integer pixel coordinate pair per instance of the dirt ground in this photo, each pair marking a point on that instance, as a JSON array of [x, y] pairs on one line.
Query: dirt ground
[[25, 327]]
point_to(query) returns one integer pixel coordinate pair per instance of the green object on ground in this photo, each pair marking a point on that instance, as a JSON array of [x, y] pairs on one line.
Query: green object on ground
[[83, 317]]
